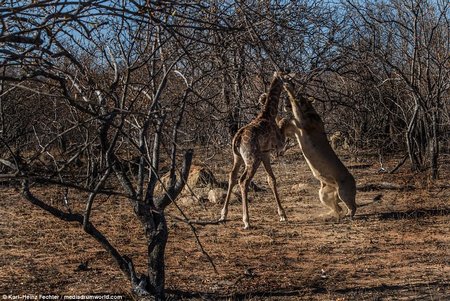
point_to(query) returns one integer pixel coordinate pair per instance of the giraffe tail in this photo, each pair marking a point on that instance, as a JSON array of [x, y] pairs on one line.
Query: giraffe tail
[[237, 143]]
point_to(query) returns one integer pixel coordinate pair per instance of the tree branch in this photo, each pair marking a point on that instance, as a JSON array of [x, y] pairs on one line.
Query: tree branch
[[75, 217]]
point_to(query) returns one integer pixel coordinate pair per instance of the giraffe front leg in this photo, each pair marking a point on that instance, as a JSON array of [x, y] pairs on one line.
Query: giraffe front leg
[[273, 185]]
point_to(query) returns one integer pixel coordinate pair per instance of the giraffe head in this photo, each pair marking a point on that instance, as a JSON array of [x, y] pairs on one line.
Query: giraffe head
[[271, 99], [285, 74]]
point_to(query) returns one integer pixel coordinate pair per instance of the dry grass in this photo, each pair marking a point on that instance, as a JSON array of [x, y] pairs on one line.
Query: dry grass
[[395, 249]]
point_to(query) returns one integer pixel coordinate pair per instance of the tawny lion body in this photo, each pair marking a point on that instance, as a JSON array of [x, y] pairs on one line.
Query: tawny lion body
[[337, 183]]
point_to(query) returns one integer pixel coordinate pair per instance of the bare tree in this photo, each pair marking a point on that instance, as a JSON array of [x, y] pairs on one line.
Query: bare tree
[[407, 41], [97, 94], [100, 86]]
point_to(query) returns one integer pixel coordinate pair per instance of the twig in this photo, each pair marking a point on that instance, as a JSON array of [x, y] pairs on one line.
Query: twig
[[186, 219], [185, 79]]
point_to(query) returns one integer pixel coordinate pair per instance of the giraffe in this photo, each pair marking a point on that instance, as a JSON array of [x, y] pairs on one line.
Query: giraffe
[[252, 145]]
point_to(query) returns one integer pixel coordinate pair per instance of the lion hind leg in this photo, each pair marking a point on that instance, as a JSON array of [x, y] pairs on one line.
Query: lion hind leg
[[328, 196], [347, 194]]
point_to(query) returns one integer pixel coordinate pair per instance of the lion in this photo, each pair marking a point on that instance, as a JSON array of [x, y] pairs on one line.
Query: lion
[[337, 183]]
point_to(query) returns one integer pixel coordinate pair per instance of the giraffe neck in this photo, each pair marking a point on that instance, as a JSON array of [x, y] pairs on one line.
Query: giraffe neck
[[270, 109]]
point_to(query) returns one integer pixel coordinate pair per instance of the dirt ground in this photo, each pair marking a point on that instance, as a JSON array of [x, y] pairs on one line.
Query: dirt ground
[[396, 248]]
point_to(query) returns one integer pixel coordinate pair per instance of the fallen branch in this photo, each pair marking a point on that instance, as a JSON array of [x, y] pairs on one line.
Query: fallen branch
[[399, 164], [196, 221], [383, 186]]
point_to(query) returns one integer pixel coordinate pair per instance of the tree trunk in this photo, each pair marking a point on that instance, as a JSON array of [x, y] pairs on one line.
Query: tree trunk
[[232, 121], [157, 241], [434, 148], [156, 230], [409, 139]]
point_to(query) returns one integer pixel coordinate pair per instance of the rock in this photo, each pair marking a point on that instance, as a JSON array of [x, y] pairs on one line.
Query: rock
[[302, 187], [199, 177], [217, 195], [187, 201]]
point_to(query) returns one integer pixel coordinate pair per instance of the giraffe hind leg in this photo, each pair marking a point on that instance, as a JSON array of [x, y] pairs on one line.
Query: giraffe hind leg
[[244, 182], [232, 181]]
